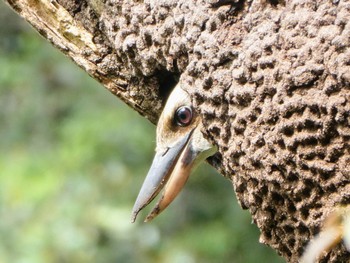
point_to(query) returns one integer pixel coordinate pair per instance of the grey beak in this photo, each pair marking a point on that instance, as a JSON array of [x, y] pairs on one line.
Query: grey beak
[[159, 173]]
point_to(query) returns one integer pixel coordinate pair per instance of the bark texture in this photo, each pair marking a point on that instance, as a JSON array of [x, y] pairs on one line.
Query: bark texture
[[270, 78]]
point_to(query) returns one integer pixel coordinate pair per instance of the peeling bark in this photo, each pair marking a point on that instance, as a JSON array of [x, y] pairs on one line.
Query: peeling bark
[[270, 78]]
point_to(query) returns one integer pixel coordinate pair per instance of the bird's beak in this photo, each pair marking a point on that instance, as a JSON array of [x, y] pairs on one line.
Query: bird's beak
[[171, 168]]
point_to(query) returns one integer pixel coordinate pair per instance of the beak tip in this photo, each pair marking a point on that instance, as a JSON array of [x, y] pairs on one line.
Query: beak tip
[[148, 219], [134, 215], [156, 210]]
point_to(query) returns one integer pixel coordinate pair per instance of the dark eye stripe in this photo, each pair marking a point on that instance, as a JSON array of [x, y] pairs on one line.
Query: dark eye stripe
[[183, 116]]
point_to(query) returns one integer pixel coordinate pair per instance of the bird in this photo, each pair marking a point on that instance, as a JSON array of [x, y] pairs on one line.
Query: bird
[[180, 148]]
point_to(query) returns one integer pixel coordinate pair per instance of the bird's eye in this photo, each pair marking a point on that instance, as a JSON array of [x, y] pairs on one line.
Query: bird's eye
[[183, 116]]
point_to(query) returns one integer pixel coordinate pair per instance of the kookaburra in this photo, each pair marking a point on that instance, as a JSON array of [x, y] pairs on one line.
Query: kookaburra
[[180, 148]]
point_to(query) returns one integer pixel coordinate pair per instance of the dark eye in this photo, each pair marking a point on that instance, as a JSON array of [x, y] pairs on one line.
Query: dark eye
[[183, 116]]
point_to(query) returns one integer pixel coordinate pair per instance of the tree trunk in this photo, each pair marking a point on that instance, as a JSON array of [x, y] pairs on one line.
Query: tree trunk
[[270, 78]]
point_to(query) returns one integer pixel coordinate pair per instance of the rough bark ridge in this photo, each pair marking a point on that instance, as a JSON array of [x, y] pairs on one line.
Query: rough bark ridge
[[270, 78]]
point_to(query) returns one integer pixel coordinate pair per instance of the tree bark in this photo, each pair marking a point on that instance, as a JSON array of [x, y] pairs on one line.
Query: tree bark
[[271, 80]]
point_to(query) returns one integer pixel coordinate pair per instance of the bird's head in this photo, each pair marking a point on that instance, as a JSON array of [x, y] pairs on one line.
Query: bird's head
[[180, 148]]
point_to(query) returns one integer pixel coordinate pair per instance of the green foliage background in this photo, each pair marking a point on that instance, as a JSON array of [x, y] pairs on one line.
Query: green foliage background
[[72, 159]]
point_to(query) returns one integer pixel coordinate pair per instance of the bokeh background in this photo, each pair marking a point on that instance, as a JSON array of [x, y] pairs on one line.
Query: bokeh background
[[72, 160]]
